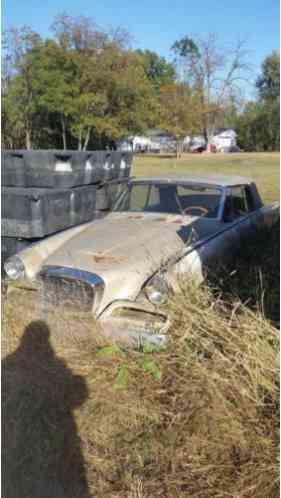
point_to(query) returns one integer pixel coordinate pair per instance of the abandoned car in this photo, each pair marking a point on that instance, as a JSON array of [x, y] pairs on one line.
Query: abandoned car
[[122, 267]]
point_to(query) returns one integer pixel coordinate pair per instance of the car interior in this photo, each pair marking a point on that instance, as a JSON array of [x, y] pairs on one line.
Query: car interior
[[172, 199], [236, 204]]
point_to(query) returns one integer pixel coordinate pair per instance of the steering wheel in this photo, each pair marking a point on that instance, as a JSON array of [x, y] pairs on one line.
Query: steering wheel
[[200, 208]]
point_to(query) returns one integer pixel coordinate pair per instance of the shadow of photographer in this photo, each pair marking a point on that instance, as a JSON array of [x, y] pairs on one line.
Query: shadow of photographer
[[41, 448]]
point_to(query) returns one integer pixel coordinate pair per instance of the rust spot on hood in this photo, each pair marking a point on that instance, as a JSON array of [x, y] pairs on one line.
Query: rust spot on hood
[[177, 220], [136, 217], [107, 258], [169, 219]]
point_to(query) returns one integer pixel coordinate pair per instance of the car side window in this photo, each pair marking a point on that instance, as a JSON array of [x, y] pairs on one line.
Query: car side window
[[138, 197], [250, 200], [154, 197], [236, 204]]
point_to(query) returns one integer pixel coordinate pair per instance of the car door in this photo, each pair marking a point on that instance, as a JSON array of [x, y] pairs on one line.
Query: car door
[[208, 257], [211, 251]]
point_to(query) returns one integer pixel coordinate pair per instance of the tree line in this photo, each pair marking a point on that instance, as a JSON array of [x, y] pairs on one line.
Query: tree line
[[85, 87]]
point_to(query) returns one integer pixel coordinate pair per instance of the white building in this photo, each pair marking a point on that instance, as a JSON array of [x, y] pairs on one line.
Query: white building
[[136, 144], [155, 140], [225, 140]]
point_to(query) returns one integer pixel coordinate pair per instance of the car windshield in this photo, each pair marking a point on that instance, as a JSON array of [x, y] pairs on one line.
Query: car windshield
[[177, 198]]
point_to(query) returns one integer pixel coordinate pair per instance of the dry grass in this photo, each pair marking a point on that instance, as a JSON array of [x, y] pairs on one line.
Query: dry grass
[[198, 420], [261, 167], [229, 400]]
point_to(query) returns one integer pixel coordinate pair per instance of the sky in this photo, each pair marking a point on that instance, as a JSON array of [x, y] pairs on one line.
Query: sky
[[156, 24]]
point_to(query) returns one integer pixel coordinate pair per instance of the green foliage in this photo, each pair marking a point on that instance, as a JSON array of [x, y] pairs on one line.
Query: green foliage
[[84, 84], [20, 92], [84, 87], [150, 366], [157, 69], [109, 351], [213, 75], [180, 111], [186, 47], [258, 126], [268, 83], [122, 377]]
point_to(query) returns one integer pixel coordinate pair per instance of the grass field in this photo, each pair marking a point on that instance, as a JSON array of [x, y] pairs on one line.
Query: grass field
[[198, 420], [261, 167]]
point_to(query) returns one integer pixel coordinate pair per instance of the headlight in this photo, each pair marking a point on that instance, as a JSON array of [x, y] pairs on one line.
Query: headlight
[[157, 290], [14, 268]]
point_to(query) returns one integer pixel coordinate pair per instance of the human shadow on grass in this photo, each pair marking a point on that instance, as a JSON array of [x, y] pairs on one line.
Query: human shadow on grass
[[41, 448]]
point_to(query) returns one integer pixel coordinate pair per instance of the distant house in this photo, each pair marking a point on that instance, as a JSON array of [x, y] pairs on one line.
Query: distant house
[[135, 144], [196, 143], [155, 140], [224, 140], [159, 140]]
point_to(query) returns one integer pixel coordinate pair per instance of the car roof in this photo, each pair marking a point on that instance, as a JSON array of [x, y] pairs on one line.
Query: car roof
[[211, 179]]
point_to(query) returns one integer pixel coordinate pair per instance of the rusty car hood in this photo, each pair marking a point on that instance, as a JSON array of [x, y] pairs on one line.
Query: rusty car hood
[[123, 248]]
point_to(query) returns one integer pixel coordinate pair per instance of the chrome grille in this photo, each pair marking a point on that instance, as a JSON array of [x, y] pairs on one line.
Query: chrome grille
[[68, 287]]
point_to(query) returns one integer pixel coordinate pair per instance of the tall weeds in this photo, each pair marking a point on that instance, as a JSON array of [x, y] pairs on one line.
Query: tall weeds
[[197, 420]]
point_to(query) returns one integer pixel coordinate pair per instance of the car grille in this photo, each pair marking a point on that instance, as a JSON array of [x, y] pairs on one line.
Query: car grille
[[66, 287]]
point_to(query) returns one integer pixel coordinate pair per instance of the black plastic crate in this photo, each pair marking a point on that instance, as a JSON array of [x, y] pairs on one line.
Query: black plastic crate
[[83, 204], [51, 168], [116, 164], [35, 213], [107, 161], [94, 172], [61, 169], [13, 170], [116, 161], [125, 164]]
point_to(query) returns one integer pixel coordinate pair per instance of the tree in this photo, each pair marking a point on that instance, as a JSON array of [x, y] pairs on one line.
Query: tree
[[111, 94], [268, 83], [53, 75], [20, 93], [258, 128], [157, 69], [215, 75], [180, 112], [132, 97], [259, 125], [79, 97], [78, 33]]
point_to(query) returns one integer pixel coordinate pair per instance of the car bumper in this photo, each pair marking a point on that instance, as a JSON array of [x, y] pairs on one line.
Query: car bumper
[[133, 325], [127, 323]]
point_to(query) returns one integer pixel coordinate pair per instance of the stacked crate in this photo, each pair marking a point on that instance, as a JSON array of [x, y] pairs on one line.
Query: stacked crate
[[46, 191]]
